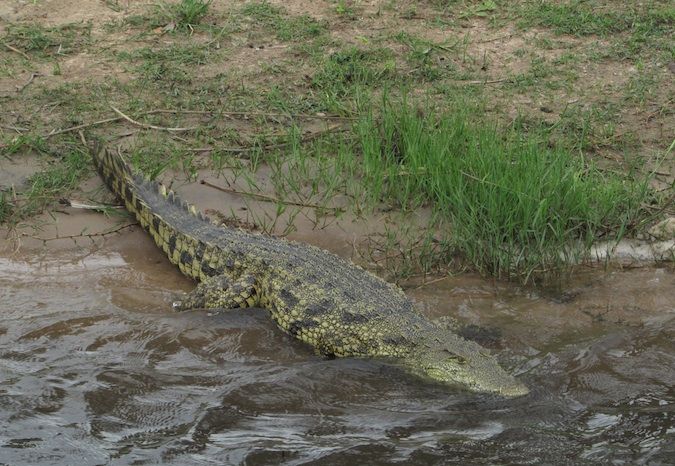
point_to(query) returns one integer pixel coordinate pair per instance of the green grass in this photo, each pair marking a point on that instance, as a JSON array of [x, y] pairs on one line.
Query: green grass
[[424, 57], [173, 65], [515, 207], [345, 9], [642, 87], [152, 155], [540, 73], [481, 9], [263, 11], [184, 16], [286, 28], [342, 74], [6, 206], [300, 27], [46, 41], [579, 129], [643, 22], [61, 176], [186, 13], [501, 197], [584, 18], [23, 143]]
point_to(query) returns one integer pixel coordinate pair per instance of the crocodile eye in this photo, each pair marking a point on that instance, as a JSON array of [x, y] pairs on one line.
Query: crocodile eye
[[452, 357]]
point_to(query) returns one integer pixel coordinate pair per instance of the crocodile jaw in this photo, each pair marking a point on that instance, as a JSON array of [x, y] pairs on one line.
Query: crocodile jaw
[[458, 362]]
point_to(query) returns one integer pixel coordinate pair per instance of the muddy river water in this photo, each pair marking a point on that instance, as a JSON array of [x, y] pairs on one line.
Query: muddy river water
[[95, 369]]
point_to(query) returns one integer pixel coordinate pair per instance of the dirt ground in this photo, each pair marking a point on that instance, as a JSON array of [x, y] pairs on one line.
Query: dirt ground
[[65, 64]]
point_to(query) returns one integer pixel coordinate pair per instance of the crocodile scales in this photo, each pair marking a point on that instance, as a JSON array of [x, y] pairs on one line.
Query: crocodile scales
[[313, 295]]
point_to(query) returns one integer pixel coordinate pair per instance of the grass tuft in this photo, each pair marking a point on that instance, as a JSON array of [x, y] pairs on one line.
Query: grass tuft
[[187, 13], [343, 73], [516, 208], [35, 38], [6, 207], [46, 186], [286, 28], [172, 66], [152, 156], [642, 22]]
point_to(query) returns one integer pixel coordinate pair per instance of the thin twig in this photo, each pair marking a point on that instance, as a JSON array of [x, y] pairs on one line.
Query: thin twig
[[126, 134], [81, 235], [30, 80], [82, 126], [436, 280], [494, 39], [54, 132], [269, 114], [224, 149], [493, 81], [669, 202], [394, 255], [14, 49], [75, 204], [209, 149], [14, 128], [191, 112], [83, 140], [122, 116], [265, 198], [145, 125]]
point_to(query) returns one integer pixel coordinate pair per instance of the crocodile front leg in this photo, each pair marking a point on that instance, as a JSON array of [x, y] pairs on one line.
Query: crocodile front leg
[[220, 292]]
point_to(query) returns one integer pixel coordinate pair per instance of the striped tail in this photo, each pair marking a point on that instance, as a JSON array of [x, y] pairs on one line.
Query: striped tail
[[158, 210], [113, 169]]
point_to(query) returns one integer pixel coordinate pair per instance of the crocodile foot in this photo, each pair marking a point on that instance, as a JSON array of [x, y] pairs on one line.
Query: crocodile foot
[[220, 292]]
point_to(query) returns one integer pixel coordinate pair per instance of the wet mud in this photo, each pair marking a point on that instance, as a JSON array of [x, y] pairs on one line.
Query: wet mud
[[95, 368]]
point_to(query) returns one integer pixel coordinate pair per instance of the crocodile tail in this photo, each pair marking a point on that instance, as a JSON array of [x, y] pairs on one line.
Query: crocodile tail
[[113, 169], [158, 210], [127, 185]]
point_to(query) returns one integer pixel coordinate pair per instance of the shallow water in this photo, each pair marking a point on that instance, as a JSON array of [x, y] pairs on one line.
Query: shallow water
[[96, 369]]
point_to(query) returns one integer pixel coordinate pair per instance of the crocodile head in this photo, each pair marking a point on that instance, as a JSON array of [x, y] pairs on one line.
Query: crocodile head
[[455, 361]]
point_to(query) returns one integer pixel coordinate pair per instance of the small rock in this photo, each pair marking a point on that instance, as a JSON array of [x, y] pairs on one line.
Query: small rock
[[664, 230]]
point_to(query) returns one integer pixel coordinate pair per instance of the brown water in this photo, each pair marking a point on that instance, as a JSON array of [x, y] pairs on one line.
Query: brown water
[[96, 369]]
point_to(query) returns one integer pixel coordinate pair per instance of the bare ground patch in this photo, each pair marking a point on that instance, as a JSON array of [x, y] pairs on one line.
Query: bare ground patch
[[278, 59]]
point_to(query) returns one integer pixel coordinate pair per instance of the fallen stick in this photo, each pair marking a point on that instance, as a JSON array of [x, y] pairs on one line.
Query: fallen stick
[[30, 80], [493, 81], [91, 236], [147, 126], [83, 205], [14, 49]]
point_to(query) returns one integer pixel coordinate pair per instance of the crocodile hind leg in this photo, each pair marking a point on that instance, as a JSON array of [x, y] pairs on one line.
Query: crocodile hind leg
[[220, 292]]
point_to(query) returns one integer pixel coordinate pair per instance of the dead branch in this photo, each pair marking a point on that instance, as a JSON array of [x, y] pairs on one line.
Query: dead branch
[[493, 81], [30, 80], [15, 50], [91, 236], [148, 126]]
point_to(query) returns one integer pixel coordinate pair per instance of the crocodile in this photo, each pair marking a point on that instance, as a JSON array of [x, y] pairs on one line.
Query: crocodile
[[315, 296]]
